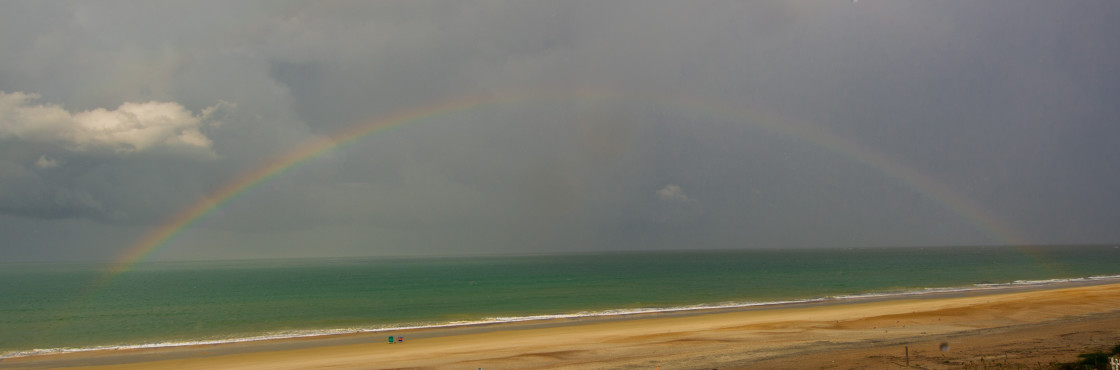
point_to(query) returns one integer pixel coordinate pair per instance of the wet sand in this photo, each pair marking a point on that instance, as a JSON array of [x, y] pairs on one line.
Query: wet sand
[[1012, 329]]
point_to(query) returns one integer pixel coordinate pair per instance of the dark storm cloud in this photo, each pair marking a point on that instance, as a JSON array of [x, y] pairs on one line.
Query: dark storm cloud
[[1009, 105]]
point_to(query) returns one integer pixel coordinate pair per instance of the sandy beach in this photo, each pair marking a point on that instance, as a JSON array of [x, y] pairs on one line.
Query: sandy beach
[[1016, 329]]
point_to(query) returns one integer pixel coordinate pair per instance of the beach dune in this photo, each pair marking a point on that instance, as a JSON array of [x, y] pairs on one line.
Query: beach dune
[[1018, 328]]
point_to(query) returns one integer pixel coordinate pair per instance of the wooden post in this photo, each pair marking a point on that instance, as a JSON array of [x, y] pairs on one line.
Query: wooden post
[[907, 356]]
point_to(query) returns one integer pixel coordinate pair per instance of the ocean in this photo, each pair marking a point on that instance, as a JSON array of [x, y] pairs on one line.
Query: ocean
[[53, 307]]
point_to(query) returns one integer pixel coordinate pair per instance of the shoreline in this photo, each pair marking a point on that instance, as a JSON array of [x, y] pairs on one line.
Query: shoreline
[[648, 330], [593, 316]]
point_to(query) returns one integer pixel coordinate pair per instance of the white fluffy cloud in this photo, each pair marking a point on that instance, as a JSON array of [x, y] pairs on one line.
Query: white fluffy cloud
[[131, 127], [45, 163], [672, 193]]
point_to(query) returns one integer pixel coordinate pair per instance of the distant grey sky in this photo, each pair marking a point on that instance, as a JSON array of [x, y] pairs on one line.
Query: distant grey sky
[[115, 116]]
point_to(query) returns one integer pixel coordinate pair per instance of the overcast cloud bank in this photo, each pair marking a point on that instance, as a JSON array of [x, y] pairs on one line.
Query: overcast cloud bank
[[115, 116]]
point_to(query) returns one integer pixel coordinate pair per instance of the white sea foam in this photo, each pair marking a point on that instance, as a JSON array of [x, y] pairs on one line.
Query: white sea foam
[[576, 315]]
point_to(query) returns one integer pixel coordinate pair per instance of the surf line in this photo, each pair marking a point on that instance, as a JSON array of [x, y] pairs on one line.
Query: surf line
[[161, 235]]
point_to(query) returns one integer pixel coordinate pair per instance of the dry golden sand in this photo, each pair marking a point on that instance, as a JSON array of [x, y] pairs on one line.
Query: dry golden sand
[[1023, 329]]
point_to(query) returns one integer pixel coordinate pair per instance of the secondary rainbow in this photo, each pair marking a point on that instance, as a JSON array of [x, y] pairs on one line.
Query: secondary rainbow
[[159, 236]]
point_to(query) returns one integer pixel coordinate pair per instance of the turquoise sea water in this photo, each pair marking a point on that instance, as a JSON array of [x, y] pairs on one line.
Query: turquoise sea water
[[53, 307]]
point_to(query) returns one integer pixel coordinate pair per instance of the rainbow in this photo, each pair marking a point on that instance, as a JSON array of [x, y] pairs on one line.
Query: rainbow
[[930, 187], [161, 235]]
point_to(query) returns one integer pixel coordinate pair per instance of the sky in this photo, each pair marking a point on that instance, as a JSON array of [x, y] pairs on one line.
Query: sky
[[573, 126]]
